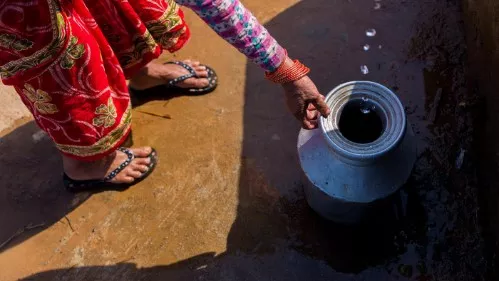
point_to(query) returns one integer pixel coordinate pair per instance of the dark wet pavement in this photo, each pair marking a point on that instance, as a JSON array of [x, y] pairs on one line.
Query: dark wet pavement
[[227, 203]]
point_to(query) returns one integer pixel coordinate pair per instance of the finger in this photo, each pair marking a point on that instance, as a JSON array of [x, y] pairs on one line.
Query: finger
[[311, 112], [321, 105], [308, 124], [314, 123]]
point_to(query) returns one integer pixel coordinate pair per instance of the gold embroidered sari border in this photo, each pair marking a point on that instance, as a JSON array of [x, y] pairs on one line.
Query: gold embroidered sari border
[[104, 144], [58, 39]]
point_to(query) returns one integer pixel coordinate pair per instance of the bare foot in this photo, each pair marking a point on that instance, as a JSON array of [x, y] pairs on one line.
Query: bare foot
[[79, 170], [156, 73]]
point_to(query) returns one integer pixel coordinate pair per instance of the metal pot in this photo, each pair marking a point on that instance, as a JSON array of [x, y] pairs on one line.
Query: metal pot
[[363, 152]]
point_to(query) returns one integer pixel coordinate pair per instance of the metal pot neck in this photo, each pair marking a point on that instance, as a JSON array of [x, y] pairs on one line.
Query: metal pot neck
[[386, 105]]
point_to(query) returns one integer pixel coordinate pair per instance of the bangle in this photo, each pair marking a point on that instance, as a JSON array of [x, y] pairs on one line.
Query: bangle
[[288, 73]]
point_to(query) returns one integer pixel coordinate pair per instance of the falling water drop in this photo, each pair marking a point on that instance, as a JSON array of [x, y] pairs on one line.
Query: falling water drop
[[371, 32], [364, 106], [364, 69], [366, 47], [365, 110]]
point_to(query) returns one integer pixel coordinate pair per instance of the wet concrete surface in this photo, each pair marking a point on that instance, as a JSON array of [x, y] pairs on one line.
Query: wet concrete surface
[[481, 18], [226, 202]]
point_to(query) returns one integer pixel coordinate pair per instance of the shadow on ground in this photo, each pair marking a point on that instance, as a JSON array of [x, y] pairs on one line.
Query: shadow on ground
[[275, 235], [32, 196]]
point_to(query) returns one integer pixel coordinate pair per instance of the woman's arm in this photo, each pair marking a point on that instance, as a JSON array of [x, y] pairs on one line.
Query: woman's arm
[[233, 22]]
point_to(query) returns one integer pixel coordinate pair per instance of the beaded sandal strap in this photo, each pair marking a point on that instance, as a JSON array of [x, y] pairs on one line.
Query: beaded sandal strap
[[123, 165], [182, 78]]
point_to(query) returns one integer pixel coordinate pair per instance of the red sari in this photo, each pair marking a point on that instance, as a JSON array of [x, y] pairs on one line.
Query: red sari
[[69, 60]]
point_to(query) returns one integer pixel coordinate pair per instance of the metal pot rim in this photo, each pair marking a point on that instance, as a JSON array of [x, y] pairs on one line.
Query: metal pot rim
[[389, 109]]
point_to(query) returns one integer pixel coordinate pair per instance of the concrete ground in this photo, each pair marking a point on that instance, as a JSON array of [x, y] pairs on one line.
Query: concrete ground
[[226, 202], [482, 22]]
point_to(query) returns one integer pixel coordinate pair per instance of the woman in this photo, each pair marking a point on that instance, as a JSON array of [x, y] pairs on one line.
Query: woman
[[69, 61]]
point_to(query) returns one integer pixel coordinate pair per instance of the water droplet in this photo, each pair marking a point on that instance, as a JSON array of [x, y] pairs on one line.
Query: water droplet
[[380, 47], [364, 107], [460, 159], [366, 47], [371, 32], [377, 6], [364, 69], [365, 110]]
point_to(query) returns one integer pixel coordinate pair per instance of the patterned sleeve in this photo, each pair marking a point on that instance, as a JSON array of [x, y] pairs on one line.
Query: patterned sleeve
[[238, 26]]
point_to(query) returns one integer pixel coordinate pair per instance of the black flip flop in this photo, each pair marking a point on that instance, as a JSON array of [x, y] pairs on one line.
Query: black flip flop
[[212, 79], [170, 89], [104, 184]]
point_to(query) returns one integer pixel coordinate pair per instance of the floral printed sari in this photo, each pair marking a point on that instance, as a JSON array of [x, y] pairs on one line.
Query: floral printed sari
[[69, 60]]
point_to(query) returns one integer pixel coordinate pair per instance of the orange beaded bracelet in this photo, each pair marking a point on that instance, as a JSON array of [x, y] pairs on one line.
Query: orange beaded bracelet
[[286, 73]]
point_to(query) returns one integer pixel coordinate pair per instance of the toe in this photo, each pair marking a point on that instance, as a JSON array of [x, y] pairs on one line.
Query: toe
[[127, 179], [123, 179], [196, 83], [142, 151], [134, 173], [142, 161], [141, 168], [202, 73], [195, 63]]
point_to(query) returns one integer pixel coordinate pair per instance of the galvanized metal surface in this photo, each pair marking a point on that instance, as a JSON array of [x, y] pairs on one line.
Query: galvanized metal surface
[[343, 177]]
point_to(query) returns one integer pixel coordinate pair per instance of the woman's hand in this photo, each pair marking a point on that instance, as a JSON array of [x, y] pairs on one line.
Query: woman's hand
[[305, 102]]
